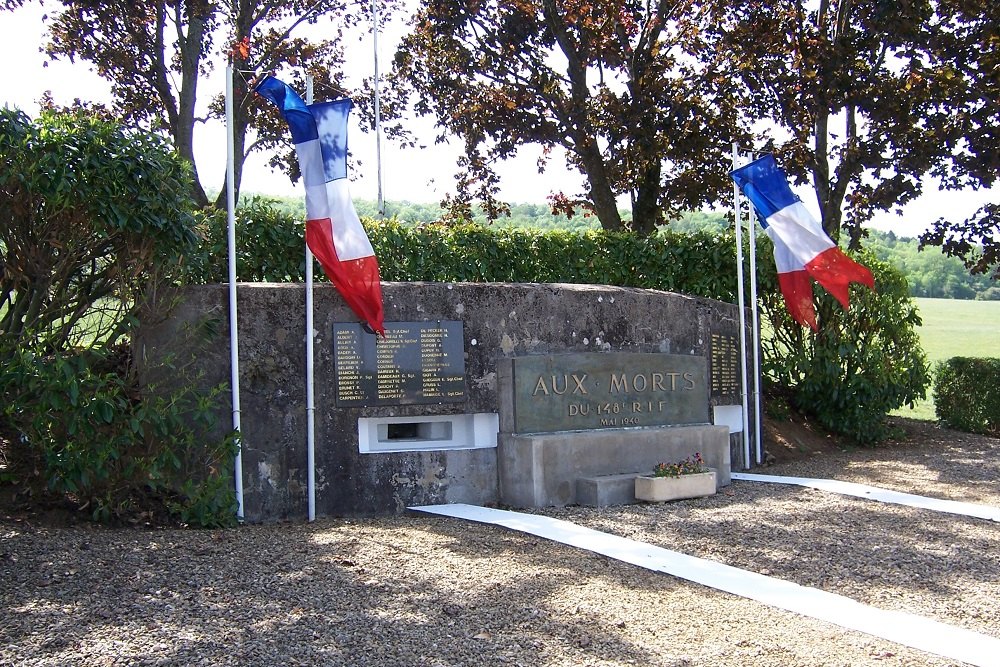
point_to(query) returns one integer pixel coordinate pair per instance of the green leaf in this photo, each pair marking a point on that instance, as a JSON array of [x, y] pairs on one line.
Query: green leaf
[[105, 411]]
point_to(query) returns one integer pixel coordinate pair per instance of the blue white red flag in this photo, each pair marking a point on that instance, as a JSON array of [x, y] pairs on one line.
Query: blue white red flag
[[801, 248], [333, 230]]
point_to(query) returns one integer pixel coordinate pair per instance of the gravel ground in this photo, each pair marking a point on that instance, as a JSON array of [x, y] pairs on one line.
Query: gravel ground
[[419, 590]]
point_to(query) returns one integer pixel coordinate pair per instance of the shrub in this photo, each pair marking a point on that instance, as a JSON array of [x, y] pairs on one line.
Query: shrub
[[860, 365], [94, 217], [967, 394], [88, 212], [92, 439]]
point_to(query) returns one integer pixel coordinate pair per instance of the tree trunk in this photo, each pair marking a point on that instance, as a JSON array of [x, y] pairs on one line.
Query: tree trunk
[[646, 212], [584, 143], [190, 47], [241, 122], [601, 194]]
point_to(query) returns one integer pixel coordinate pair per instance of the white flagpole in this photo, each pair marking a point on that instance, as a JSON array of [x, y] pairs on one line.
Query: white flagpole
[[752, 227], [234, 343], [310, 387], [378, 113], [742, 307]]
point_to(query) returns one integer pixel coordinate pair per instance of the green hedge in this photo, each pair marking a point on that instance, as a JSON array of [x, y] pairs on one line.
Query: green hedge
[[694, 264], [967, 394], [271, 250]]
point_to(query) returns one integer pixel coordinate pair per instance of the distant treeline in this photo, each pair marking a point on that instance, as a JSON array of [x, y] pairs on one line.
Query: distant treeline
[[928, 272], [531, 216]]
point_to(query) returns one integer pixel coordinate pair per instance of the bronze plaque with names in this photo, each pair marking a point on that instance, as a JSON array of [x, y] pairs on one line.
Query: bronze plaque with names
[[568, 392], [416, 362], [725, 363]]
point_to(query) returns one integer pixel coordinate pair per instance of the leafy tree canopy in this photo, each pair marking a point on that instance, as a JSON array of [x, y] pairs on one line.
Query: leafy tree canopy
[[870, 97], [633, 91], [976, 240], [156, 53]]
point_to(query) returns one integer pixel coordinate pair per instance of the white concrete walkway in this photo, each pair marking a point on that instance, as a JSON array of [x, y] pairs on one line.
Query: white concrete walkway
[[911, 630], [882, 495]]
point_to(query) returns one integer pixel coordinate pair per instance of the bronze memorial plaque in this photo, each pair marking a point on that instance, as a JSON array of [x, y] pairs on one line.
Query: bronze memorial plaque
[[566, 392], [416, 362], [725, 366]]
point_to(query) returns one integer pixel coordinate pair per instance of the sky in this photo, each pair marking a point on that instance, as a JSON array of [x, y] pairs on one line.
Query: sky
[[419, 175]]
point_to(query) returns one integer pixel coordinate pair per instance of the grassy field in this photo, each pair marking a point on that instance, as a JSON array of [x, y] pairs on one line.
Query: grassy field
[[954, 328]]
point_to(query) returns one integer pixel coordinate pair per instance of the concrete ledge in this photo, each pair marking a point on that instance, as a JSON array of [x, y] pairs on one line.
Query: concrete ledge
[[605, 490], [541, 470]]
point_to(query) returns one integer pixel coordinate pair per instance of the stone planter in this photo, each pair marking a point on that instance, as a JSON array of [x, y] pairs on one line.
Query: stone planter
[[661, 489]]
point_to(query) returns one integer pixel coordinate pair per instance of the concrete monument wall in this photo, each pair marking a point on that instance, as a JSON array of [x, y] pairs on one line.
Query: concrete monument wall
[[499, 322]]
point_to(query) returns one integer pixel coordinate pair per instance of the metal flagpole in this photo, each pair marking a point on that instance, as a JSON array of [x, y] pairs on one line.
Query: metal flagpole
[[310, 387], [752, 232], [234, 343], [378, 113], [742, 307]]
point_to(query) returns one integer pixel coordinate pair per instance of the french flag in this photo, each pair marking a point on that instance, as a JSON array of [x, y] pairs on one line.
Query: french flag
[[333, 230], [801, 247]]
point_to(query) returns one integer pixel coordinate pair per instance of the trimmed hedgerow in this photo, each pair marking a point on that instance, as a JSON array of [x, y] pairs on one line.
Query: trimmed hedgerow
[[271, 250], [967, 394]]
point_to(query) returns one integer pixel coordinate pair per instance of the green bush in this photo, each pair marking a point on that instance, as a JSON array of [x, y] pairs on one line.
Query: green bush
[[89, 212], [967, 394], [91, 439], [94, 218], [269, 245], [860, 365]]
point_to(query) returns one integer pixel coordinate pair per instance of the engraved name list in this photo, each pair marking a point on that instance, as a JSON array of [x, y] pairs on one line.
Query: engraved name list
[[416, 362]]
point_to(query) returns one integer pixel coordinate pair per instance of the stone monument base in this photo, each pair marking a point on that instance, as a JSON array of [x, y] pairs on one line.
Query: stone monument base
[[541, 470]]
